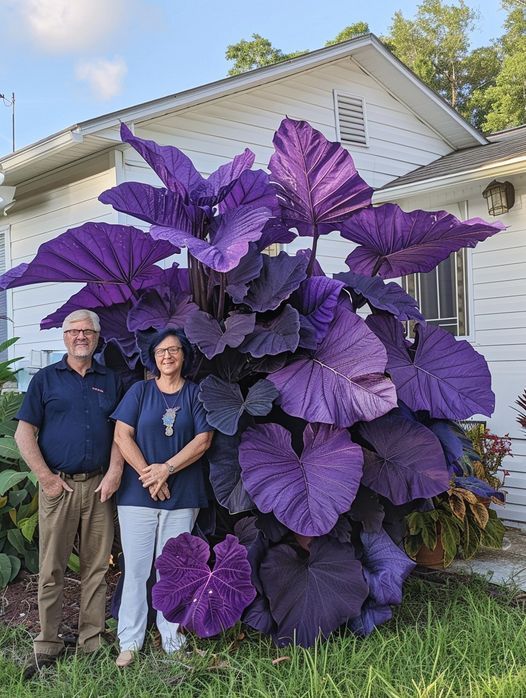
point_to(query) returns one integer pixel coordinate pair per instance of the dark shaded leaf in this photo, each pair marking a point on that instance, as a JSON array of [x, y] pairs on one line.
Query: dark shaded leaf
[[279, 277], [312, 595], [224, 402], [205, 331], [279, 335], [408, 461], [225, 476], [389, 297]]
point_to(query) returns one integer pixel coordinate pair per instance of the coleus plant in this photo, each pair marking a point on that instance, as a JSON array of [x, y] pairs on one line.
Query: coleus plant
[[330, 428]]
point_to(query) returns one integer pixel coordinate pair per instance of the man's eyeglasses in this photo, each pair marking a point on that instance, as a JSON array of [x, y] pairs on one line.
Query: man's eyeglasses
[[172, 351], [76, 333]]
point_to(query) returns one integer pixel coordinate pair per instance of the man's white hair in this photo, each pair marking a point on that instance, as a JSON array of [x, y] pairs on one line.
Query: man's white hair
[[84, 314]]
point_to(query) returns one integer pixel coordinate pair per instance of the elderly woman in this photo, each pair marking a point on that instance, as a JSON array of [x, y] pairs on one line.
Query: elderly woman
[[162, 432]]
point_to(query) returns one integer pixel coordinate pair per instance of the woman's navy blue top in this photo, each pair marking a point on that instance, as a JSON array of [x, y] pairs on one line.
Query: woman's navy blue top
[[142, 408]]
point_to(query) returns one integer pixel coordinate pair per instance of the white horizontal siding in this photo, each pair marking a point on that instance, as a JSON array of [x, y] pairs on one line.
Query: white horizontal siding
[[43, 217]]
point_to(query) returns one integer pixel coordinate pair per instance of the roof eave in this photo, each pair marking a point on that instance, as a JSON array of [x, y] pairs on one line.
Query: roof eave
[[506, 168]]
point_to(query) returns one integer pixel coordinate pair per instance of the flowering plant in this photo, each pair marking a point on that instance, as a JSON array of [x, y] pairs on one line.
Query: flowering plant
[[491, 449]]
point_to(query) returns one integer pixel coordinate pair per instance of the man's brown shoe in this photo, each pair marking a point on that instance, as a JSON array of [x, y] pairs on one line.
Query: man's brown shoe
[[37, 663]]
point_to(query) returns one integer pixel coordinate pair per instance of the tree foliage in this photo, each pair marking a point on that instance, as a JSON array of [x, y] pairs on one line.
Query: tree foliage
[[255, 53], [487, 85]]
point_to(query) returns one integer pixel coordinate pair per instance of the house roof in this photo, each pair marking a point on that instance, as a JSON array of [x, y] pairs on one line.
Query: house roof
[[504, 151], [366, 52]]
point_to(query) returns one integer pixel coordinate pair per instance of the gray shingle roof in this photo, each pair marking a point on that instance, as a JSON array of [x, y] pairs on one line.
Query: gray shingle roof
[[502, 147]]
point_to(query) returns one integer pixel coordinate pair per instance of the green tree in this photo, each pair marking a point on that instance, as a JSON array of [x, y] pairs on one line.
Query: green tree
[[255, 54], [435, 45], [349, 32], [505, 101]]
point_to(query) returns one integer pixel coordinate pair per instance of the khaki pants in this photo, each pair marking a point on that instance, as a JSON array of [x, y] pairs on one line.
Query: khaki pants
[[59, 520]]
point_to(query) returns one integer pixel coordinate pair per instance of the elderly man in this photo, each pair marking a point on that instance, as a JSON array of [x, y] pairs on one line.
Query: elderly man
[[65, 436]]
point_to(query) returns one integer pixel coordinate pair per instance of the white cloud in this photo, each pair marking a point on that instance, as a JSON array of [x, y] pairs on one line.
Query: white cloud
[[64, 26], [104, 76]]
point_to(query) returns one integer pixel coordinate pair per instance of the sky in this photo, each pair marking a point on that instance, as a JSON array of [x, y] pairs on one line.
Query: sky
[[72, 60]]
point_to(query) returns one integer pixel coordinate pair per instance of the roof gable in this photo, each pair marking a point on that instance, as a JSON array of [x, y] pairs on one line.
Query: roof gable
[[366, 52]]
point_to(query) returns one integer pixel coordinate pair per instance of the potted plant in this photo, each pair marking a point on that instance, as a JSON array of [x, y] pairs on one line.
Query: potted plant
[[491, 450], [457, 525]]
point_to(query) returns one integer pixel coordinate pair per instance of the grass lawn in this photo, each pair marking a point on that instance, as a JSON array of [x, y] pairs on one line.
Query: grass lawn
[[451, 638]]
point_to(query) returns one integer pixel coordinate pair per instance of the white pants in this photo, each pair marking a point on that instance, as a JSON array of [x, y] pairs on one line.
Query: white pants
[[144, 531]]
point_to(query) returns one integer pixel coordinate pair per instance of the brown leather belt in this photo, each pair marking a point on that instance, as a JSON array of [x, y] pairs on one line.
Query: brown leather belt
[[79, 477]]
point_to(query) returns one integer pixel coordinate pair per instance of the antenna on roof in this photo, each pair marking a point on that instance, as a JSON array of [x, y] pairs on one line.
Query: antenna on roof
[[10, 103]]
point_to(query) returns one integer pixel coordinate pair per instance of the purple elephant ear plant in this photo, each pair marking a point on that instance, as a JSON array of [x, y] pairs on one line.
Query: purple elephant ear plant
[[327, 424]]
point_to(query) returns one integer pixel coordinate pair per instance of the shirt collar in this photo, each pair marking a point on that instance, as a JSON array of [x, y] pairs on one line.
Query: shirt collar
[[63, 365]]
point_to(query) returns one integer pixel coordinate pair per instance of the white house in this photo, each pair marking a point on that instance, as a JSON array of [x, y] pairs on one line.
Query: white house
[[405, 140]]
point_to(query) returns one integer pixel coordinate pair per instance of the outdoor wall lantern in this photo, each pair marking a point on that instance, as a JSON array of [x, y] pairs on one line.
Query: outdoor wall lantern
[[500, 197]]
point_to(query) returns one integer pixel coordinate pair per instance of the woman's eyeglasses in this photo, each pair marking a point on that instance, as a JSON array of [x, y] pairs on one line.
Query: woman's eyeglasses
[[172, 351], [76, 333]]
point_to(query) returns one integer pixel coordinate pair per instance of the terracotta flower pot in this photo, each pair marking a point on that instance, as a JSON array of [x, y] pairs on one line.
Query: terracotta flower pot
[[431, 558]]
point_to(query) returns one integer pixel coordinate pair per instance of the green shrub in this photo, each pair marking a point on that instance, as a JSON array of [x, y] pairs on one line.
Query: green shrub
[[18, 499]]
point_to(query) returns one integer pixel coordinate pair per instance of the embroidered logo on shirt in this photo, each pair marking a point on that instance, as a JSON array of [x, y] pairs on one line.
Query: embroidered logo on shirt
[[99, 390]]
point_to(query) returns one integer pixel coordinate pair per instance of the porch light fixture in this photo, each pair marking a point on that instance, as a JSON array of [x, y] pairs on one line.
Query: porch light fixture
[[500, 197]]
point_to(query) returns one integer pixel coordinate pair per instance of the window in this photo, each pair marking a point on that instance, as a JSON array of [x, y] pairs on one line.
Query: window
[[350, 119], [442, 294]]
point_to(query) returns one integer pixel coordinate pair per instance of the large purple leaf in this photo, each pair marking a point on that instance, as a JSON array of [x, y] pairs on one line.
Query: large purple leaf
[[407, 462], [94, 252], [205, 331], [306, 493], [316, 180], [390, 297], [279, 277], [178, 173], [172, 166], [91, 297], [316, 300], [230, 243], [278, 335], [161, 308], [154, 205], [395, 243], [312, 595], [204, 601], [252, 188], [343, 382], [224, 402], [386, 567], [212, 190], [225, 474], [444, 375]]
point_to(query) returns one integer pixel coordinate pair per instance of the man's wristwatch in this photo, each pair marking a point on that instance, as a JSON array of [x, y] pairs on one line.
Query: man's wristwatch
[[171, 469]]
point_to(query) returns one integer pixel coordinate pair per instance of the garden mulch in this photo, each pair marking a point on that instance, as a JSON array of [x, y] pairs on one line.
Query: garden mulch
[[18, 602]]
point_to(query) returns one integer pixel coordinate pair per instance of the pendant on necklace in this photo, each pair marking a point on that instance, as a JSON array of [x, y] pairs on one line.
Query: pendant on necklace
[[168, 419]]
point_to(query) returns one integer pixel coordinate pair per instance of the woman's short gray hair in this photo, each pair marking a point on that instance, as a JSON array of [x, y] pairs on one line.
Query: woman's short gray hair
[[84, 314]]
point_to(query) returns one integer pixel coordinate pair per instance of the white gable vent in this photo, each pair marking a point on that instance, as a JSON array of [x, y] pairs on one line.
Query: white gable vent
[[350, 119]]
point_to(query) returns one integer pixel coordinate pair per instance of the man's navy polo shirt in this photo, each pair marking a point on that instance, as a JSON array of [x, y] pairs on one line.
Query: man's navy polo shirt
[[72, 413]]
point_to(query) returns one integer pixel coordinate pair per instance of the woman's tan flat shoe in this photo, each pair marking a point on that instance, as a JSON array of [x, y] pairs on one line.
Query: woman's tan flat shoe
[[125, 658]]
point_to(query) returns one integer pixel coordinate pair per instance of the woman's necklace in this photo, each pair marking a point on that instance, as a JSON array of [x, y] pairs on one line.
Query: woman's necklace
[[170, 414]]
